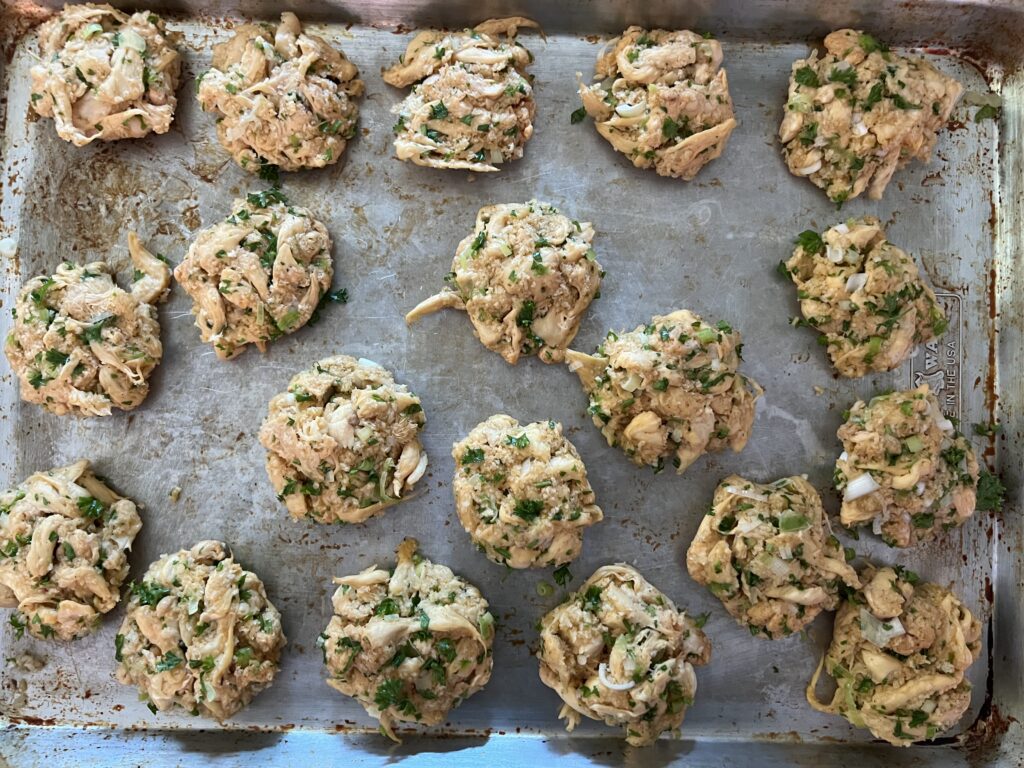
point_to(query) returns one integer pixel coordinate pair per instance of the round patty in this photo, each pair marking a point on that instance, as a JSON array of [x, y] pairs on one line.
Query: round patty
[[258, 275], [619, 650], [522, 494], [409, 644], [343, 441], [104, 75], [200, 633], [64, 541], [282, 97]]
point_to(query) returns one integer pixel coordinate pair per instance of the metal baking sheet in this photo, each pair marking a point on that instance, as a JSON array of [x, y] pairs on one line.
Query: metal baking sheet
[[710, 245]]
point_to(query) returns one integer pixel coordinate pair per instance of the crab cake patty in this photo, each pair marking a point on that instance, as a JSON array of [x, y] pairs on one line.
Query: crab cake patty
[[105, 75], [472, 106], [409, 644], [200, 633], [860, 112], [258, 275], [905, 468], [343, 441], [864, 295], [662, 100], [619, 650], [767, 553], [899, 655], [65, 537], [282, 97], [670, 388], [82, 345], [521, 492], [525, 277]]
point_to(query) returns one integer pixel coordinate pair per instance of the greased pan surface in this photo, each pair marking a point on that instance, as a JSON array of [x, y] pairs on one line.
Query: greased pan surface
[[710, 246]]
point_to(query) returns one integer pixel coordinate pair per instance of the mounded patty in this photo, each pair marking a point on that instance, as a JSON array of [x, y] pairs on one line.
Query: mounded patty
[[258, 275], [767, 552], [472, 103], [200, 633], [409, 644], [670, 388], [900, 650], [525, 276], [282, 97], [905, 468], [662, 100], [82, 345], [860, 112], [64, 539], [343, 441], [522, 494], [864, 295], [105, 75], [618, 650]]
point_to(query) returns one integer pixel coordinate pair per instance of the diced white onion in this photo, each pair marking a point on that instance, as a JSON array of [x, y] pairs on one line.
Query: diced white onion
[[845, 304], [745, 525], [844, 456], [716, 364], [631, 382], [860, 486], [842, 66], [602, 672], [859, 129], [364, 433], [785, 551], [834, 253], [779, 568], [807, 170], [920, 489], [370, 363], [752, 495], [941, 421], [820, 141], [875, 630], [132, 39], [842, 229], [630, 110], [855, 282], [929, 706], [496, 156]]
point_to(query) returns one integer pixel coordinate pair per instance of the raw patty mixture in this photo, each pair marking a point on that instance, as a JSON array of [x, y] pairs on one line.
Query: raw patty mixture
[[860, 112], [199, 633], [905, 468], [409, 644], [525, 277], [662, 100], [64, 539], [343, 441], [472, 106], [618, 650], [82, 345], [899, 653], [767, 552], [105, 75], [282, 97], [670, 388], [258, 275], [522, 494], [864, 295]]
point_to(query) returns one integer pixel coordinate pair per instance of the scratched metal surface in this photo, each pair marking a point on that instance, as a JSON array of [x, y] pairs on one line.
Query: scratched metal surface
[[710, 246]]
